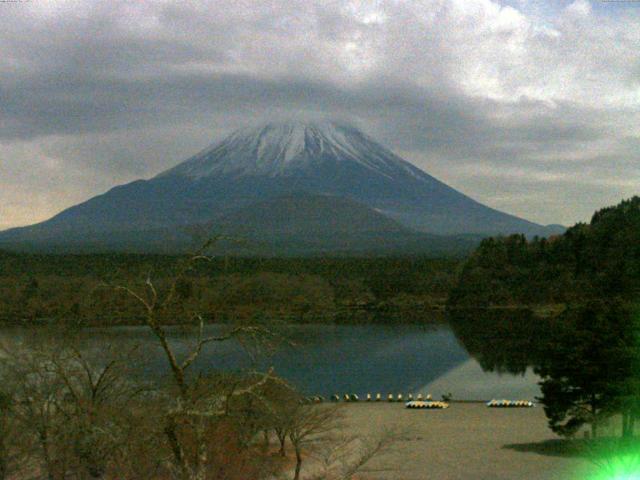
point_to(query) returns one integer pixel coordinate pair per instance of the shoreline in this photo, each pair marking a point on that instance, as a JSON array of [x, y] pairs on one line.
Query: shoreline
[[435, 315]]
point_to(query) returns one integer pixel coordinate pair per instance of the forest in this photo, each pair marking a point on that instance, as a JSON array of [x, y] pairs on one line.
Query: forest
[[80, 288], [587, 352], [597, 260]]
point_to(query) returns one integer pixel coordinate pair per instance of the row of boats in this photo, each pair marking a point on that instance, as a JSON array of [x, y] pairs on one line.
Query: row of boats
[[427, 405], [510, 404], [352, 397], [490, 404], [419, 401]]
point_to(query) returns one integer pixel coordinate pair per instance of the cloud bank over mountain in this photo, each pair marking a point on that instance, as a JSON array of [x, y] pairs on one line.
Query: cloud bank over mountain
[[529, 107]]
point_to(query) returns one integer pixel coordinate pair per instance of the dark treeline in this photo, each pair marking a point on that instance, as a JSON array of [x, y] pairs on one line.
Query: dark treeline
[[589, 261], [75, 287], [588, 353]]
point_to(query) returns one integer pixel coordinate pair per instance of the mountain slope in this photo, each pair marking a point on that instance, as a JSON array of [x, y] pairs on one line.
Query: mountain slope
[[272, 161], [296, 224], [312, 224], [310, 215]]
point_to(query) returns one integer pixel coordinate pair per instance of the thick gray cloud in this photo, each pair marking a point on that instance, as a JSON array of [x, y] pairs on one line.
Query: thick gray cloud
[[529, 107]]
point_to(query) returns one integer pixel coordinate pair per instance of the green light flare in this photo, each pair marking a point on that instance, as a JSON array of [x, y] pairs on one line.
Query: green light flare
[[625, 467]]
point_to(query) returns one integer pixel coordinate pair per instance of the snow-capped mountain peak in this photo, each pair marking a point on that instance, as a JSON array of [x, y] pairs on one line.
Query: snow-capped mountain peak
[[286, 148], [319, 179]]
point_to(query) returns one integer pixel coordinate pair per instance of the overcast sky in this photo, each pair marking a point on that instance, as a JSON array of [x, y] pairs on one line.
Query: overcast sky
[[529, 106]]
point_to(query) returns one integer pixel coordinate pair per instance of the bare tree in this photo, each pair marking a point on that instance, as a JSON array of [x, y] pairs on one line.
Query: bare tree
[[36, 393], [73, 411], [306, 424], [96, 407], [193, 408], [280, 404]]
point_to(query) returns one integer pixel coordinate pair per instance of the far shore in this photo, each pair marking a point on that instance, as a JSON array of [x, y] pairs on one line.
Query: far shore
[[426, 315], [433, 314]]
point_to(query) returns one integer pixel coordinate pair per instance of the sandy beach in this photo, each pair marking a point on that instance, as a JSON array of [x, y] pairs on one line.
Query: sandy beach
[[465, 441]]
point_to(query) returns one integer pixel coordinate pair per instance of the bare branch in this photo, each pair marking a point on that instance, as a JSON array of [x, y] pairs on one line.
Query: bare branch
[[148, 307], [154, 293]]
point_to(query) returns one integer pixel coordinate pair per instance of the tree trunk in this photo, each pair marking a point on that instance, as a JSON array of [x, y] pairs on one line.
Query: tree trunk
[[296, 475], [179, 460], [44, 444], [4, 457], [628, 424], [4, 468], [594, 418], [201, 468], [283, 440]]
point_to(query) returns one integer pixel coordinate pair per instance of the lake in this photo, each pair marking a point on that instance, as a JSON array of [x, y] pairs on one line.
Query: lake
[[327, 359]]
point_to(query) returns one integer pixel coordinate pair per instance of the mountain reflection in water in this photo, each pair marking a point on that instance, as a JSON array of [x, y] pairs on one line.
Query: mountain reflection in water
[[327, 359]]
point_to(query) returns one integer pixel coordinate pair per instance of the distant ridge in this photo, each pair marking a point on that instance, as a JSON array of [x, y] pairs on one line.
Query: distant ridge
[[315, 162]]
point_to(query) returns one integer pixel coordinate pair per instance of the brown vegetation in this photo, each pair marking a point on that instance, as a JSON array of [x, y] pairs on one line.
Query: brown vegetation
[[69, 412]]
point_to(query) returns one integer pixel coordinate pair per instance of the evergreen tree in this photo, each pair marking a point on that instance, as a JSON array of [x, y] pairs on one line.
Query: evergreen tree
[[589, 372]]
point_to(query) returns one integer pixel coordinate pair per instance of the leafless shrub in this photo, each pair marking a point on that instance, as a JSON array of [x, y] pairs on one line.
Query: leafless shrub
[[72, 413]]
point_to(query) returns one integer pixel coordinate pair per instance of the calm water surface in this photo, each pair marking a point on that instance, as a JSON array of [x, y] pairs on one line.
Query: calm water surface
[[327, 359]]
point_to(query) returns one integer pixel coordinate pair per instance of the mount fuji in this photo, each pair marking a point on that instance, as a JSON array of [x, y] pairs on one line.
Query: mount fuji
[[301, 187]]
